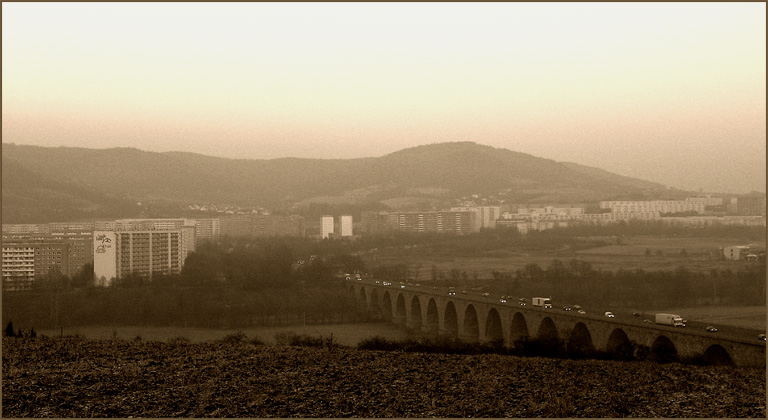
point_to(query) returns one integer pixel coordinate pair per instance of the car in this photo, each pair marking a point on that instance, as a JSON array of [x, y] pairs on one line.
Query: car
[[386, 283], [522, 301], [610, 315], [402, 286], [502, 300], [451, 292], [464, 292], [486, 294], [710, 328], [566, 308], [635, 313], [581, 311], [761, 337], [577, 307], [378, 282], [648, 321]]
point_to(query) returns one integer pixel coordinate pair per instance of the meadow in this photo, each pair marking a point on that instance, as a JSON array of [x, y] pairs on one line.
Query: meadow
[[609, 253]]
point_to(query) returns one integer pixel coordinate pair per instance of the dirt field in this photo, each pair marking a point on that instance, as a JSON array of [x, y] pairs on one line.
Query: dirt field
[[73, 378]]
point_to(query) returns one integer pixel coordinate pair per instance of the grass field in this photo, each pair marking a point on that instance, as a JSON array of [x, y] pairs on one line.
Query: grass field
[[628, 255], [753, 317], [344, 334]]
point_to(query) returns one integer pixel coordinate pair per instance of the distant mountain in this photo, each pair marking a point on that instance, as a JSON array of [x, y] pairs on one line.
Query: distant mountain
[[106, 180]]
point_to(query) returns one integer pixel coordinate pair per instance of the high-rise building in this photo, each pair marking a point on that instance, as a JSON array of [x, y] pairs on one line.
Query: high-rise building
[[207, 229], [18, 266], [346, 225], [26, 259], [326, 226], [148, 252]]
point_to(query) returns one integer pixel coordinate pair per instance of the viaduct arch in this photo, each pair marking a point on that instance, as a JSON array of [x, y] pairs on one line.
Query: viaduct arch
[[483, 320]]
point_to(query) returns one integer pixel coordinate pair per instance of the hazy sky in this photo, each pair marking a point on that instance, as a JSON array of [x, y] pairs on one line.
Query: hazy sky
[[673, 93]]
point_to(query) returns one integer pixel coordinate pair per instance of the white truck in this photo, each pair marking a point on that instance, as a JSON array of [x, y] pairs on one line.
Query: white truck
[[670, 319], [542, 302]]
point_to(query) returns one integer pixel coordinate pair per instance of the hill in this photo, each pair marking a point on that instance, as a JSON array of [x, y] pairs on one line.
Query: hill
[[104, 180]]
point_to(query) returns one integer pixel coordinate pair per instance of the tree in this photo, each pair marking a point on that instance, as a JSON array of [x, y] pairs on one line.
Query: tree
[[9, 332], [647, 252], [683, 253]]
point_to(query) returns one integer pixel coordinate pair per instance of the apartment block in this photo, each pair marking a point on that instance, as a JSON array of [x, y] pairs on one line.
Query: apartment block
[[18, 266], [660, 206], [345, 222], [146, 253], [456, 222], [326, 229], [485, 216], [25, 260]]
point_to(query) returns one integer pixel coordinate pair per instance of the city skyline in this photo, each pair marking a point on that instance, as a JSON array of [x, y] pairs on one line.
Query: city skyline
[[670, 93]]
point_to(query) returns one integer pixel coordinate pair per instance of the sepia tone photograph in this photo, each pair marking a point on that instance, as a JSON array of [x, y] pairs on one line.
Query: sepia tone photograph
[[383, 210]]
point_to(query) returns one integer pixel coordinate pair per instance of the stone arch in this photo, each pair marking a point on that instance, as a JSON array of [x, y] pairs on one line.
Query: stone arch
[[518, 330], [433, 318], [386, 307], [451, 320], [580, 341], [363, 297], [416, 316], [471, 324], [547, 329], [663, 350], [400, 309], [718, 356], [493, 329], [619, 345]]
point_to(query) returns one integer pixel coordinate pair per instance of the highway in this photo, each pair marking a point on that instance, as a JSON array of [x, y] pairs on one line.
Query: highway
[[622, 317]]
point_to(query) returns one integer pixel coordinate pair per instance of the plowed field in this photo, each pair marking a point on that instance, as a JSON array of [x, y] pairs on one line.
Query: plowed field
[[69, 377]]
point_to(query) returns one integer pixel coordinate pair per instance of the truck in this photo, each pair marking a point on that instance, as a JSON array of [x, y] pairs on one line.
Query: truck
[[542, 302], [670, 319]]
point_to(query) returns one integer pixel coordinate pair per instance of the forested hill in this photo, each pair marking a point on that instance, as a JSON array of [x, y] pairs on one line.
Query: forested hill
[[438, 171]]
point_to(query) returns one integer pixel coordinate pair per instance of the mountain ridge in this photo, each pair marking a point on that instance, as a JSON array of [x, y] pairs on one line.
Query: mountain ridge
[[453, 169]]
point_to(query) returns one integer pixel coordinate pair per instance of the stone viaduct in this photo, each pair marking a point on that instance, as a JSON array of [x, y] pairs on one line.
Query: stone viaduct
[[478, 319]]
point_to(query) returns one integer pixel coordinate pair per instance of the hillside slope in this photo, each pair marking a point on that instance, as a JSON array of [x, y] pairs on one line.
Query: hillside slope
[[446, 170]]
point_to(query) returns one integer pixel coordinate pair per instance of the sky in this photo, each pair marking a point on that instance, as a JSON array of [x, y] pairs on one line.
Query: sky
[[667, 92]]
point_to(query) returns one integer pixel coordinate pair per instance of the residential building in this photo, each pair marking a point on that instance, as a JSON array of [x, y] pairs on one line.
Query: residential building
[[326, 226], [26, 259], [18, 266], [207, 229], [346, 225], [660, 206], [485, 216], [735, 252], [143, 252], [456, 222]]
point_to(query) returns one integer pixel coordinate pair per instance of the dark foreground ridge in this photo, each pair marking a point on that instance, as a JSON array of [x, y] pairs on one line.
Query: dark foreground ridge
[[237, 377]]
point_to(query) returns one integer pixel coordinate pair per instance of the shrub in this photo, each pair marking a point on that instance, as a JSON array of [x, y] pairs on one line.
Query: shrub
[[283, 338], [179, 339], [234, 338]]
